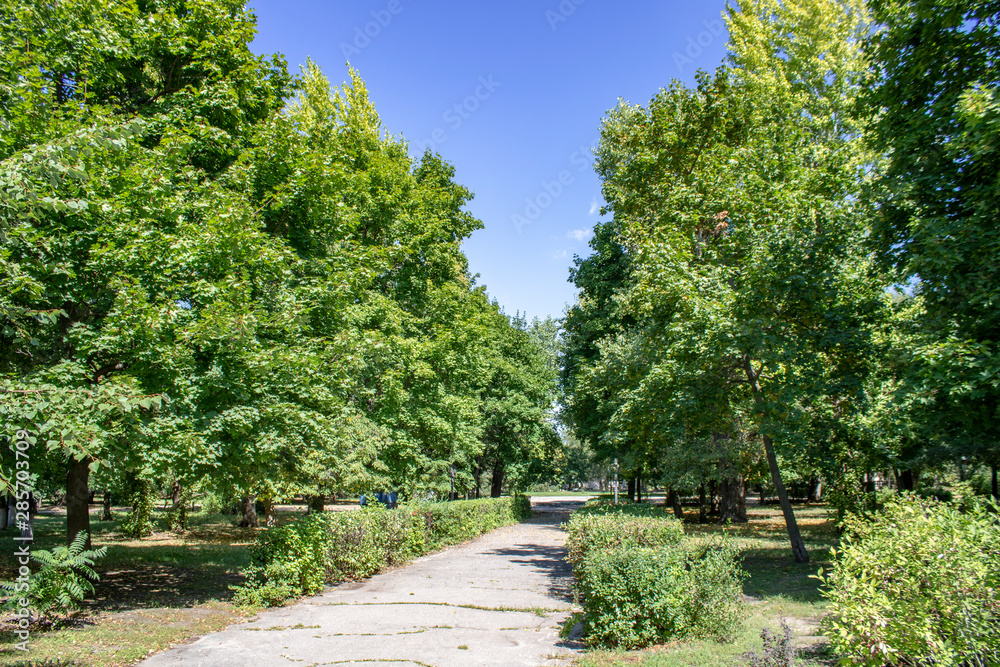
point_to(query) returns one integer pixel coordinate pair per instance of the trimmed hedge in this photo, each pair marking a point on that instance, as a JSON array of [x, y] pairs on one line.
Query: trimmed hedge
[[917, 585], [640, 583], [301, 557], [604, 527], [633, 597]]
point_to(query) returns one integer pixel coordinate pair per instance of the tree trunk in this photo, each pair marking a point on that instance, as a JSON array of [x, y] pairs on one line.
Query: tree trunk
[[175, 496], [106, 505], [269, 517], [702, 502], [77, 499], [249, 507], [816, 490], [178, 508], [993, 469], [496, 483], [732, 500], [798, 545], [713, 504], [906, 480], [28, 529], [3, 511], [674, 498], [11, 510], [631, 489], [317, 503]]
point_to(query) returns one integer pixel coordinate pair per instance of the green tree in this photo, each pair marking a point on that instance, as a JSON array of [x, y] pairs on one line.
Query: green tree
[[738, 202], [933, 102], [111, 263]]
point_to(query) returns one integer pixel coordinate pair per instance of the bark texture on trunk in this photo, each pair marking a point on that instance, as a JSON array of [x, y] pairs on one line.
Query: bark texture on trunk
[[3, 510], [249, 509], [78, 499], [631, 489], [732, 500], [798, 545], [106, 506]]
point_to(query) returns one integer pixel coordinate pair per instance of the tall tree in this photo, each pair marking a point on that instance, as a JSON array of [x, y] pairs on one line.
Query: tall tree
[[137, 110], [738, 202], [934, 99]]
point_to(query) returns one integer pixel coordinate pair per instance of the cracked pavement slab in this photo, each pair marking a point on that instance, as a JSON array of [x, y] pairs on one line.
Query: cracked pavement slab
[[500, 599]]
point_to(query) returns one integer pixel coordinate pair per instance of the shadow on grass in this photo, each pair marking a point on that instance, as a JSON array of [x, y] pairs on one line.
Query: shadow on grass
[[767, 553], [162, 570]]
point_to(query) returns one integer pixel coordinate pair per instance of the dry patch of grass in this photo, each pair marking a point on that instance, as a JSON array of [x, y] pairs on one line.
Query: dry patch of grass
[[113, 639]]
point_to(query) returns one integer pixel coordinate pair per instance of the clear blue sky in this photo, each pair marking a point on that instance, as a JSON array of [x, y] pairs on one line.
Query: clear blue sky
[[512, 94]]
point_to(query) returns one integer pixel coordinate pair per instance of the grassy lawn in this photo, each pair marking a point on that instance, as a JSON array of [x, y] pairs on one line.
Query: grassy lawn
[[777, 588], [153, 592]]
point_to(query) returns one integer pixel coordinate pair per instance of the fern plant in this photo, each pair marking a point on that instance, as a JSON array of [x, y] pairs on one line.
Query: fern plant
[[64, 578]]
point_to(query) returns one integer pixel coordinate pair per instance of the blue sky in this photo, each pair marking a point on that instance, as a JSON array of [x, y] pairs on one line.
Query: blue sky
[[512, 94]]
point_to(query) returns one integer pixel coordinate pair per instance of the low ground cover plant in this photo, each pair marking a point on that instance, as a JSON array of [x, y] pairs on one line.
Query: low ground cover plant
[[640, 582], [917, 584], [301, 557]]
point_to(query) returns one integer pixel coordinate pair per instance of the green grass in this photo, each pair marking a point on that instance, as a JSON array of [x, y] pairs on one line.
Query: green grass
[[777, 588], [153, 592]]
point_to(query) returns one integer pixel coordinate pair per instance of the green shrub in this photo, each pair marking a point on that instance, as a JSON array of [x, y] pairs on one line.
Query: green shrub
[[637, 596], [451, 523], [139, 522], [63, 580], [605, 527], [361, 543], [301, 557], [917, 585]]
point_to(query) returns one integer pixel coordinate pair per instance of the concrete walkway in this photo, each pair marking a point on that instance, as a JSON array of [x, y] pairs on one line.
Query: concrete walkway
[[498, 600]]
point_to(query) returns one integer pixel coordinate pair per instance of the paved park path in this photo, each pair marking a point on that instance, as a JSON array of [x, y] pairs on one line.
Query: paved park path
[[498, 600]]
